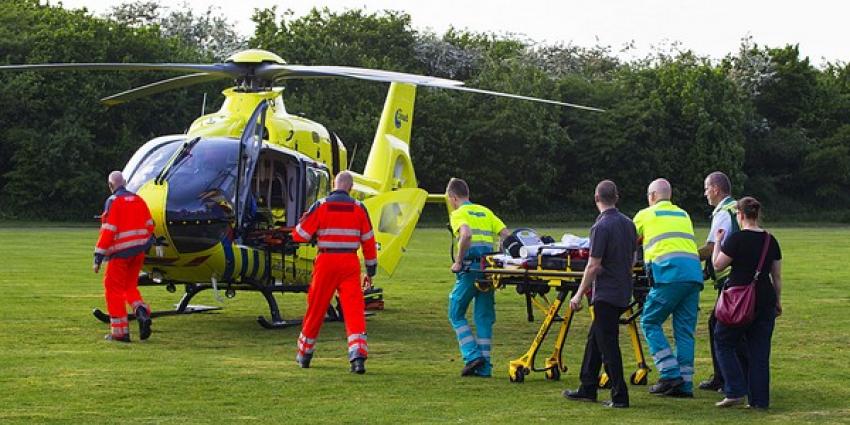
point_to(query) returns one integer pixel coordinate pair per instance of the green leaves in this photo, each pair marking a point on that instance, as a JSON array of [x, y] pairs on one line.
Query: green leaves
[[773, 122]]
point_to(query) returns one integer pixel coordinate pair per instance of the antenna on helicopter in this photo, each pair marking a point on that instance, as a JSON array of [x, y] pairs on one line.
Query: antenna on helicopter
[[353, 153]]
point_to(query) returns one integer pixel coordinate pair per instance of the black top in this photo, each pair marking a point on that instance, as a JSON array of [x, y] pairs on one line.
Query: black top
[[744, 248], [613, 239]]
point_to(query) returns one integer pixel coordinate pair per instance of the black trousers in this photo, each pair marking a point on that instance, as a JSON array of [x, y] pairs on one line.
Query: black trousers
[[603, 347], [743, 356]]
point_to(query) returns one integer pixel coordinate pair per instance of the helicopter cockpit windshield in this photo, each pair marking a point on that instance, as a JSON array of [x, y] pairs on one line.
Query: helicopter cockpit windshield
[[201, 194], [149, 161]]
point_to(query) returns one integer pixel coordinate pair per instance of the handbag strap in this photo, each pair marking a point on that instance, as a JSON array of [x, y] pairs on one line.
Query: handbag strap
[[763, 255]]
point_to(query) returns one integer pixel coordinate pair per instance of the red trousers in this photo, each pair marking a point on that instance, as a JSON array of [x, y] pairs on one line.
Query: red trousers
[[335, 272], [120, 283]]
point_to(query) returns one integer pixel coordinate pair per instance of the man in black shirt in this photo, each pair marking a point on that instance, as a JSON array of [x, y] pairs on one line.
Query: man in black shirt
[[613, 240]]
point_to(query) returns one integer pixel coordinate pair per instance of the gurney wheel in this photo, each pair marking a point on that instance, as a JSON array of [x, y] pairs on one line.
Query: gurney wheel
[[604, 382], [635, 381], [519, 376], [553, 373]]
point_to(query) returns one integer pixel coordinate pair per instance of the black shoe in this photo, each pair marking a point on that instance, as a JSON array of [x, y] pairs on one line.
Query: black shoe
[[110, 337], [578, 395], [144, 319], [678, 392], [711, 384], [664, 385], [469, 368], [304, 361], [358, 366], [615, 404]]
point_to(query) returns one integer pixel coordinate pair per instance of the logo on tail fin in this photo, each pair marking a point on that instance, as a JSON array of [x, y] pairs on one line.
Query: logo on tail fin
[[399, 118]]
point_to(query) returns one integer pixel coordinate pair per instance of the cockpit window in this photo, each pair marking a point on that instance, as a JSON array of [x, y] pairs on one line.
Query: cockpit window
[[201, 193], [148, 161]]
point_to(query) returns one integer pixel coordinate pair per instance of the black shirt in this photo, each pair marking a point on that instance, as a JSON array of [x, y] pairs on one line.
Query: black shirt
[[613, 239], [745, 248]]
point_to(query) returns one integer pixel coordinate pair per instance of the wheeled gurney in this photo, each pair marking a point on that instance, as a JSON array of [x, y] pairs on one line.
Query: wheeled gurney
[[535, 277]]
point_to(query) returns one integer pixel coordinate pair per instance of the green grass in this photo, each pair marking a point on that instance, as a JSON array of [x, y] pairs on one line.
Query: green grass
[[223, 368]]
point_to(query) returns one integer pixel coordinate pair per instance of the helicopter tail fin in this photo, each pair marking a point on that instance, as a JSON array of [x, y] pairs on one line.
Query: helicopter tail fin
[[389, 162]]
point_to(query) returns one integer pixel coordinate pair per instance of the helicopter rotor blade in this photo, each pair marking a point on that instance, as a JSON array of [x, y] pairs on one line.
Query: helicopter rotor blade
[[159, 87], [287, 72], [515, 96], [222, 69], [264, 73], [273, 72]]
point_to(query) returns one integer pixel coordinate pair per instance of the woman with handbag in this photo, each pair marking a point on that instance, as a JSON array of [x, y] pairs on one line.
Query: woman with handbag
[[748, 306]]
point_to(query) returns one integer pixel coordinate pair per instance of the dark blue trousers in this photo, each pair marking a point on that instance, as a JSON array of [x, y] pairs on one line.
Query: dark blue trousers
[[755, 384]]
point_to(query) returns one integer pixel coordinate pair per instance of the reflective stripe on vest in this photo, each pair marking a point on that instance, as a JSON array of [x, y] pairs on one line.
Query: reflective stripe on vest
[[669, 245], [338, 232], [338, 245], [481, 223]]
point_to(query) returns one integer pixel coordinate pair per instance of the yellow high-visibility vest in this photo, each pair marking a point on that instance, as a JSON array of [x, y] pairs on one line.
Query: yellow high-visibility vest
[[483, 224], [727, 206], [669, 245]]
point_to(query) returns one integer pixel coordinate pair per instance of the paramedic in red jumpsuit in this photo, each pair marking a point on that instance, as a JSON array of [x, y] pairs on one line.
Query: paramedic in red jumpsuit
[[126, 233], [341, 225]]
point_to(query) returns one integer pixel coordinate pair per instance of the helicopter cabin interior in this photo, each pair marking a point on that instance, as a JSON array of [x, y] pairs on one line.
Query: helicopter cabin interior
[[284, 186]]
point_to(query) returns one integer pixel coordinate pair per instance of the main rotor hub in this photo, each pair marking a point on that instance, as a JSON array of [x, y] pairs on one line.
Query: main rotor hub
[[255, 56]]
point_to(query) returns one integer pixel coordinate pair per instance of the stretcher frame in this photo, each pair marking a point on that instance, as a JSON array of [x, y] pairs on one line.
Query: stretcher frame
[[538, 282]]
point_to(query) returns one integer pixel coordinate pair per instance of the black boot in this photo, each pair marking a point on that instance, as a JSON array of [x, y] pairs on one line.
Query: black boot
[[711, 384], [470, 368], [665, 385], [358, 366], [144, 319], [304, 361], [110, 337], [579, 395]]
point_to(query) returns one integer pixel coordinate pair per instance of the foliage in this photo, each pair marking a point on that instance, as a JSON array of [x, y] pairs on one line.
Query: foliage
[[764, 115], [209, 32]]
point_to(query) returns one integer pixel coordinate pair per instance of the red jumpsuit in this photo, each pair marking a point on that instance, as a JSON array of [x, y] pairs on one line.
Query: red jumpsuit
[[125, 234], [341, 224]]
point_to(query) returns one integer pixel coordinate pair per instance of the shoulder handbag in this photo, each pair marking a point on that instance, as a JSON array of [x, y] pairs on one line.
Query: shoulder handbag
[[737, 304]]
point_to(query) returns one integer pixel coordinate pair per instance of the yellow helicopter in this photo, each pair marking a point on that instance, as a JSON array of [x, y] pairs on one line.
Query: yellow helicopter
[[225, 194]]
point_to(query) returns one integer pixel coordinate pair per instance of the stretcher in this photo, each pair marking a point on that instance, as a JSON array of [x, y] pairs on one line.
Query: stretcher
[[535, 279]]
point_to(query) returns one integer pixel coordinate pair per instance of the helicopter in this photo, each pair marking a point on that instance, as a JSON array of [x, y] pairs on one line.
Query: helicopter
[[225, 195]]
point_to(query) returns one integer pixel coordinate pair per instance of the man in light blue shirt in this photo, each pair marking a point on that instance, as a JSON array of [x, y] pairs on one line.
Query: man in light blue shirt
[[718, 189]]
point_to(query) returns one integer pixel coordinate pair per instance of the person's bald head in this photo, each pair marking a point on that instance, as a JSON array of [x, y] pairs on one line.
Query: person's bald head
[[116, 180], [344, 181], [659, 190]]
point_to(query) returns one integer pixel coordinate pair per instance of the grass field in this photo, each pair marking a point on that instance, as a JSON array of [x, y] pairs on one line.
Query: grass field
[[224, 368]]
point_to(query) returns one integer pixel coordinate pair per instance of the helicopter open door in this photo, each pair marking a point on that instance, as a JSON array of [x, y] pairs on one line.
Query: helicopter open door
[[278, 189], [249, 152]]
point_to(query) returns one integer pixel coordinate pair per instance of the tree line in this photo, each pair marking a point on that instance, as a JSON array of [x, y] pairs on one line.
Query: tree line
[[778, 125]]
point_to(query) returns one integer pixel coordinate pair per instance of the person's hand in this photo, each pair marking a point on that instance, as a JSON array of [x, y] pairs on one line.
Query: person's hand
[[718, 236], [367, 283], [778, 309], [95, 267], [575, 302], [457, 266]]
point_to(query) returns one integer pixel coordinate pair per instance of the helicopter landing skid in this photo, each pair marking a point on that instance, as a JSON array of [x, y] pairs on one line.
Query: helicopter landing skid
[[334, 314], [189, 309]]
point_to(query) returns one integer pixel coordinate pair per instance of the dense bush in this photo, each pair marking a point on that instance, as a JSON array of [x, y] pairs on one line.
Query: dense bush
[[775, 123]]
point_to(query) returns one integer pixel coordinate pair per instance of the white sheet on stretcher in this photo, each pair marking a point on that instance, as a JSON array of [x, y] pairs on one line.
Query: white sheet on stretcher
[[568, 241], [508, 261]]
